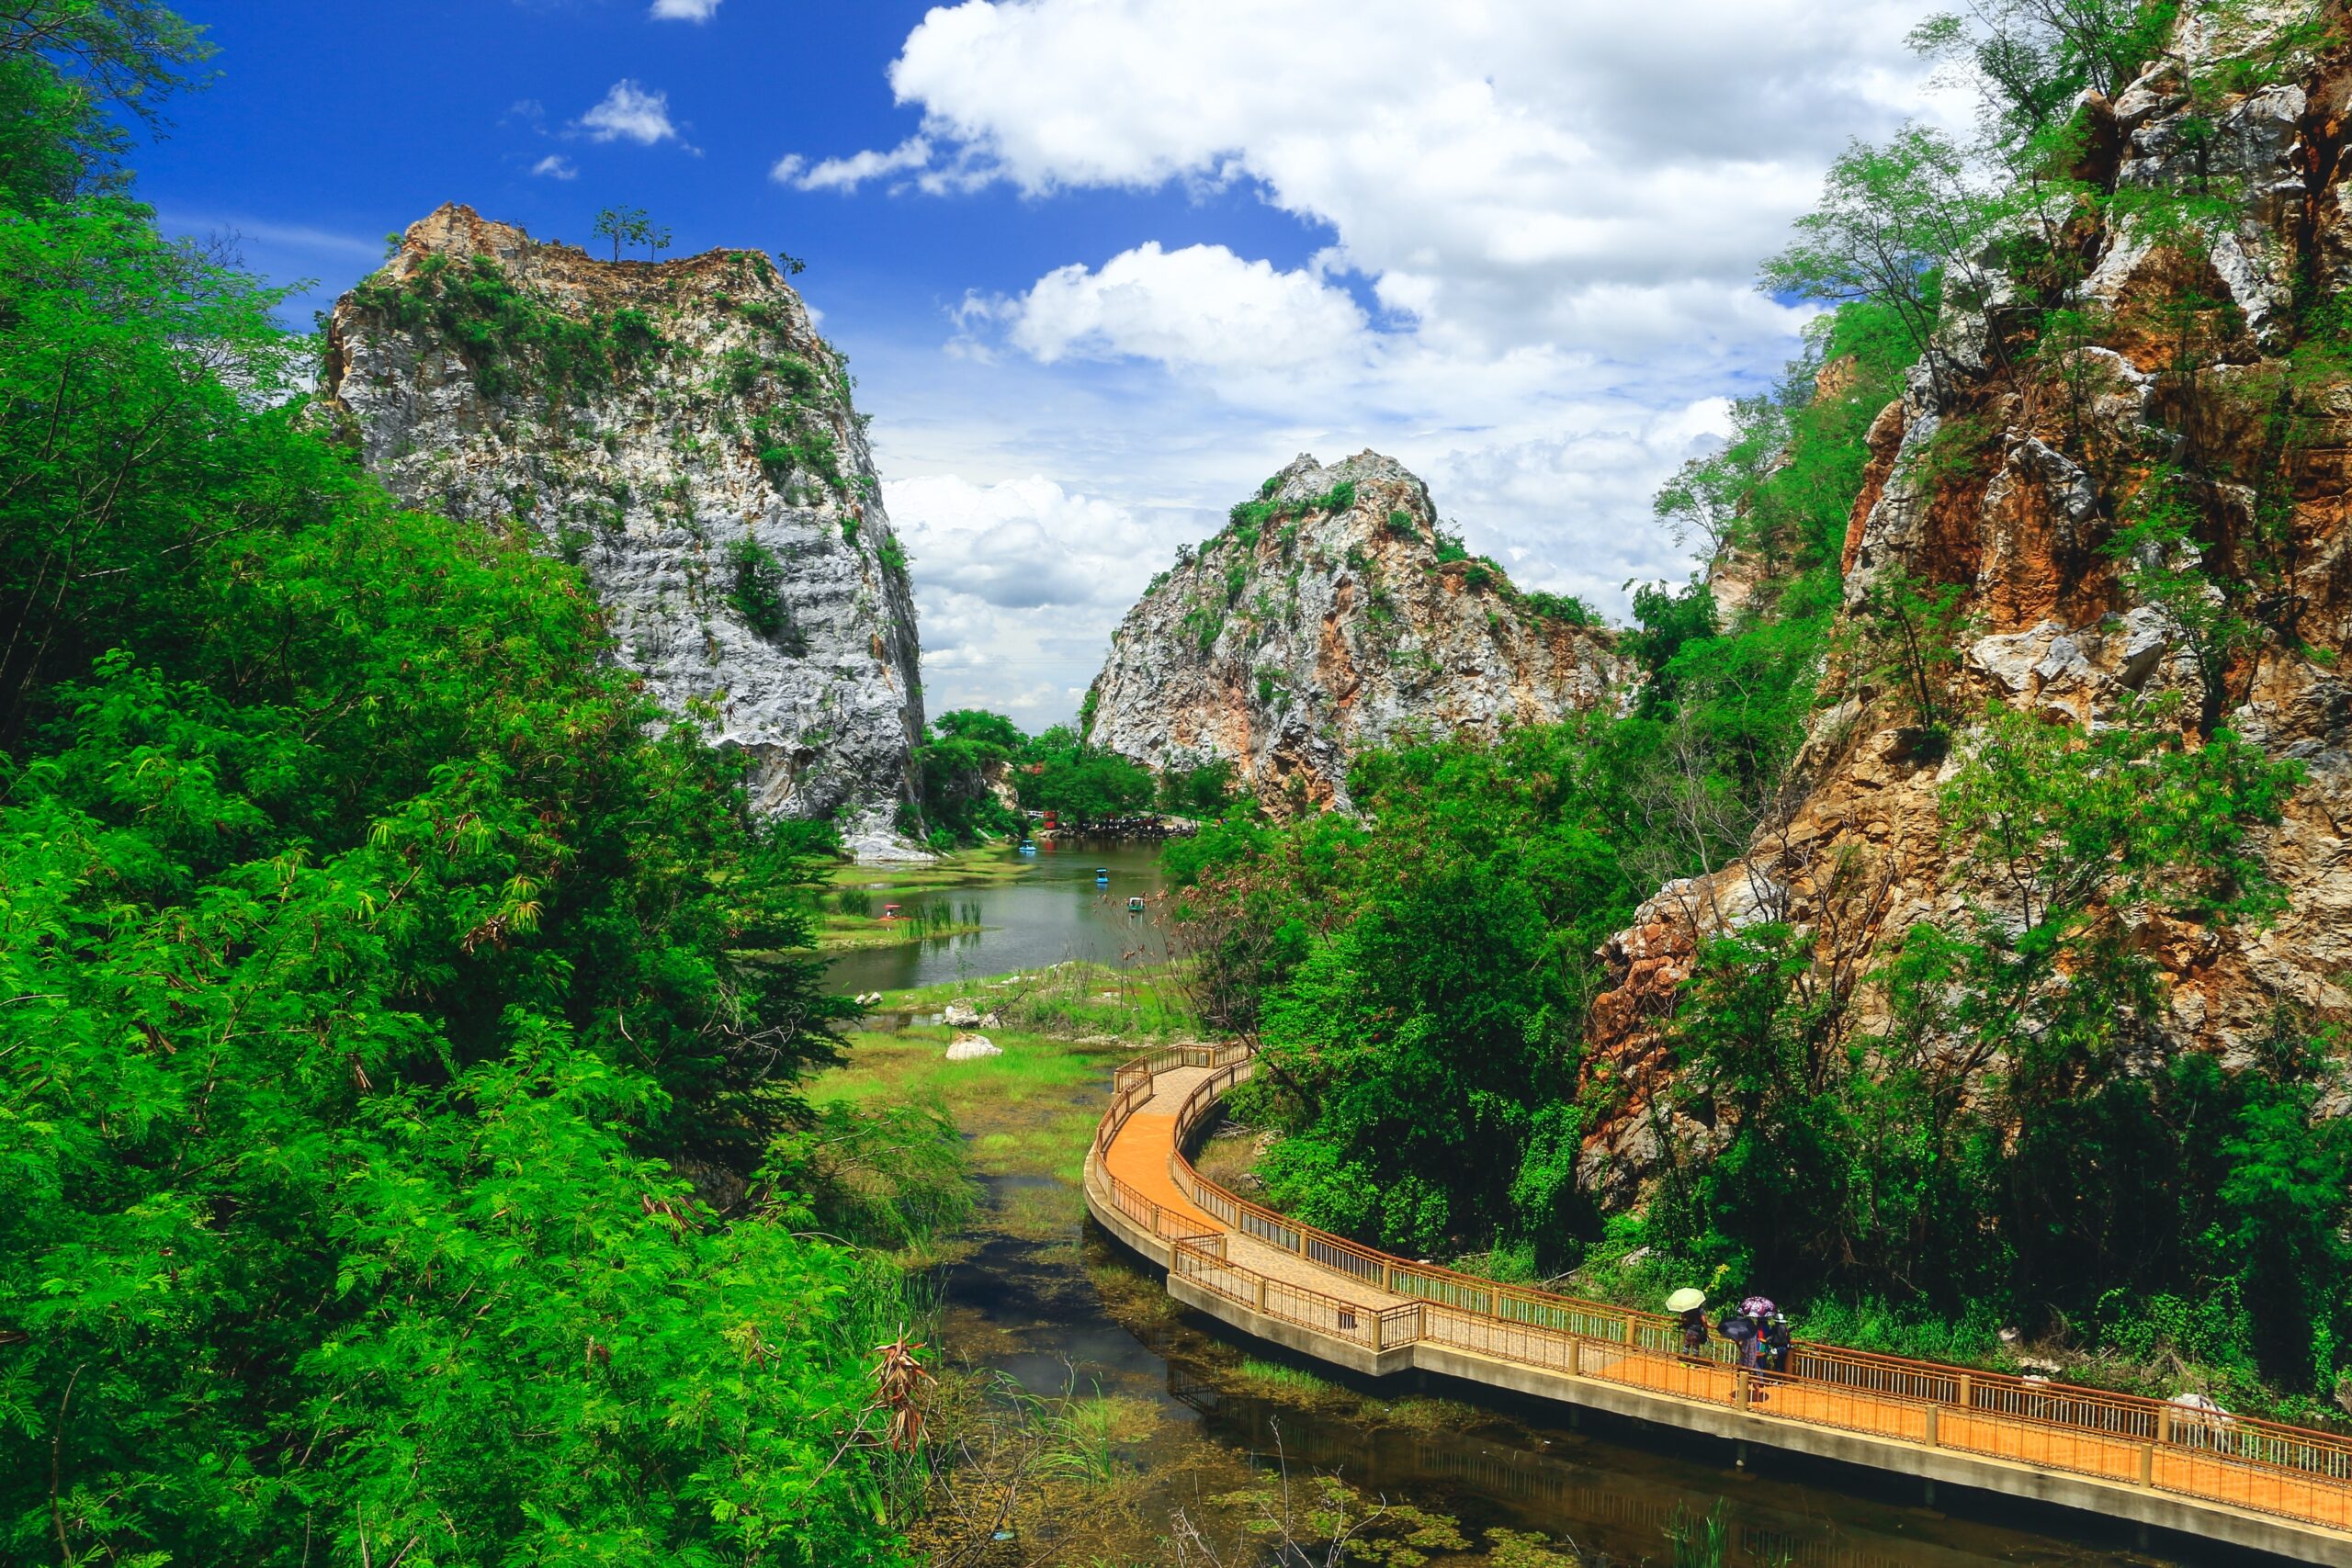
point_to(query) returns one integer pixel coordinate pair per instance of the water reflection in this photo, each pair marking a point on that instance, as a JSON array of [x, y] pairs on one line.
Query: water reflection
[[1055, 910]]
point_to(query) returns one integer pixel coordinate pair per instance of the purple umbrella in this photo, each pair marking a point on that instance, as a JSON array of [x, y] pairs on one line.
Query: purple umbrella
[[1758, 1306]]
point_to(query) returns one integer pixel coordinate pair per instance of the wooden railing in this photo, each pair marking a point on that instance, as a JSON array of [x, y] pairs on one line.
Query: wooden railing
[[2260, 1465]]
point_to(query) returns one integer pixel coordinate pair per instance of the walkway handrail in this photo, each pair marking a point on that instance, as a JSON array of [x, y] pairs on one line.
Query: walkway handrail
[[1131, 1087], [2123, 1436]]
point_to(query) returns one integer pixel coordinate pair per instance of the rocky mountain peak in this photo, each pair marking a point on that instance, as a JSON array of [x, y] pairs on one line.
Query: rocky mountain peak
[[1333, 614], [680, 431]]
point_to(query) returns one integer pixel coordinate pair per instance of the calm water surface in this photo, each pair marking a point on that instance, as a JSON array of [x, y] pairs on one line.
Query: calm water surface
[[1054, 911], [1075, 1310]]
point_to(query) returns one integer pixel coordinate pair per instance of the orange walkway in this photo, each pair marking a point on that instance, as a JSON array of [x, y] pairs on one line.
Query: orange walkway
[[1328, 1286]]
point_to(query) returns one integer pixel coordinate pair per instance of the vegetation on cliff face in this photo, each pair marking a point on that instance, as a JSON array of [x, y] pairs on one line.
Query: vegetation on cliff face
[[371, 977], [1923, 1128]]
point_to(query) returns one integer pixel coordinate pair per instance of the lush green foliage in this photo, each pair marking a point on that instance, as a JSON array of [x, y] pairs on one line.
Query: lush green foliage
[[1063, 774], [952, 769], [756, 593], [1443, 954], [1056, 771], [1204, 790], [512, 341], [376, 968]]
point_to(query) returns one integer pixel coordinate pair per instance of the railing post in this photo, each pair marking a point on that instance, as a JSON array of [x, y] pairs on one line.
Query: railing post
[[1262, 1296], [1967, 1391], [1933, 1436], [2147, 1464], [1740, 1387], [1375, 1331]]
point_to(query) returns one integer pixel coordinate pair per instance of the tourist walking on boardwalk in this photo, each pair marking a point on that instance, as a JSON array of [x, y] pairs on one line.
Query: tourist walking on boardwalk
[[1693, 1304]]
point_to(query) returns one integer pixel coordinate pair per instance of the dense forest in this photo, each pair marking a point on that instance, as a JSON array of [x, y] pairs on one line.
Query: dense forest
[[1976, 1122], [969, 751], [398, 1107]]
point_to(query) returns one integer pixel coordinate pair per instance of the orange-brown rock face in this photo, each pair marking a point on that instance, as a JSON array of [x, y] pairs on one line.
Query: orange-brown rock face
[[2213, 360], [1287, 648]]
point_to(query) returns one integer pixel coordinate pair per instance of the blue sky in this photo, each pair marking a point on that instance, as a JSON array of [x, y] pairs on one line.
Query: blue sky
[[1101, 264]]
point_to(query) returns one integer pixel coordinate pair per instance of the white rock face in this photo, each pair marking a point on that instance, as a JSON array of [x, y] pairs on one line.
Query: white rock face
[[680, 431], [960, 1014], [1289, 645]]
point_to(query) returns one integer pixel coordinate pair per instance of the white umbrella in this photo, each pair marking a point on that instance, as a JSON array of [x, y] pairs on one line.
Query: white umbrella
[[1685, 1299]]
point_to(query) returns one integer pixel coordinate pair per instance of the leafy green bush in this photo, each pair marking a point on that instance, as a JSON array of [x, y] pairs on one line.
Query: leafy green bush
[[952, 770], [793, 442], [756, 594], [1562, 607], [511, 340]]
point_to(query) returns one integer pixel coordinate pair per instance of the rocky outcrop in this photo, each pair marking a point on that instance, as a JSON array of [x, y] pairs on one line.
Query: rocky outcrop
[[2188, 356], [1330, 617], [678, 430]]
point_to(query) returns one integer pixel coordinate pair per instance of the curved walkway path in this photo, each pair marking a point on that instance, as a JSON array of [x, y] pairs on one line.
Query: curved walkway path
[[2280, 1489]]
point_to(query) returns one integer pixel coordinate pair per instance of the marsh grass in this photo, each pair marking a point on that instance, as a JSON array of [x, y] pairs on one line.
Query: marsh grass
[[1078, 999], [1041, 1213], [1273, 1380], [1031, 1111]]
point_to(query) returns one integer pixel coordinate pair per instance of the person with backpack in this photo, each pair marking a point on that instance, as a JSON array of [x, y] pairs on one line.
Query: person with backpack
[[1691, 1303]]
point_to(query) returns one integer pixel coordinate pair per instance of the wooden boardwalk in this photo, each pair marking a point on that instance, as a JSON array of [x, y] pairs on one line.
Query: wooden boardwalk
[[2256, 1483]]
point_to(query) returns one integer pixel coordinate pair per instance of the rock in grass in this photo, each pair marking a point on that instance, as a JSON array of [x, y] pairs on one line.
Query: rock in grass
[[960, 1014], [971, 1047]]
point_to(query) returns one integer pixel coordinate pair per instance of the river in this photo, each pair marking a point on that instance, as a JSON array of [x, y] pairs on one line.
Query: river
[[1040, 1294]]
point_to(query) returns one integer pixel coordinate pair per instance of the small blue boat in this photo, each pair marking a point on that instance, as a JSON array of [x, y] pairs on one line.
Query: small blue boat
[[1102, 876], [1027, 848]]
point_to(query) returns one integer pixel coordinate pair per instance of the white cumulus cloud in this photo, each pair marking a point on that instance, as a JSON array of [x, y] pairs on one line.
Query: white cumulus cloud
[[847, 174], [556, 166], [684, 10], [1488, 165], [1019, 584], [1201, 306], [628, 113]]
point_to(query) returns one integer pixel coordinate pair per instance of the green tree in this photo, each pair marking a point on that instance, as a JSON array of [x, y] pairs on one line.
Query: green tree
[[1898, 227], [968, 749], [630, 226]]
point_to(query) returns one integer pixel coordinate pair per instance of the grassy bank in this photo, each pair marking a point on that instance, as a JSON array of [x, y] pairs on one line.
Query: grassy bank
[[1072, 999], [840, 932], [1029, 1112], [959, 868]]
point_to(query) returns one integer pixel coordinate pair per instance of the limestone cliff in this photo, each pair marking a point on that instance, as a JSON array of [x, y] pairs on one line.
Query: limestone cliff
[[679, 430], [1329, 616], [2008, 467]]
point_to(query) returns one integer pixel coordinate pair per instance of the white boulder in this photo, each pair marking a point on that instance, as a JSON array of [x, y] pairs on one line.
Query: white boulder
[[971, 1047]]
